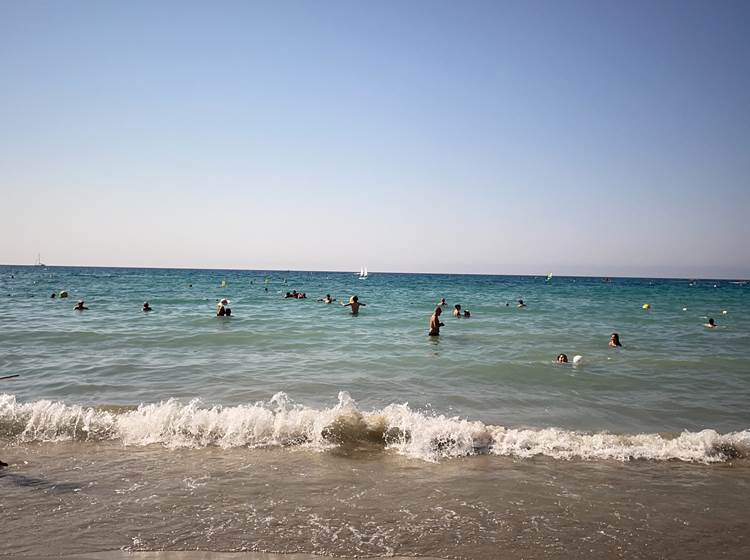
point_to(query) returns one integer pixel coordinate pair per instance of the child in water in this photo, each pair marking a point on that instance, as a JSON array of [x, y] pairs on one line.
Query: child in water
[[354, 304]]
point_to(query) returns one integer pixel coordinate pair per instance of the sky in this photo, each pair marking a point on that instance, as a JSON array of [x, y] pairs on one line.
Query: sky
[[592, 138]]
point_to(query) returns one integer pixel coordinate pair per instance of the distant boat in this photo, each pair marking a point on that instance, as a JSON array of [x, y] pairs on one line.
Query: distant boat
[[39, 260], [363, 273]]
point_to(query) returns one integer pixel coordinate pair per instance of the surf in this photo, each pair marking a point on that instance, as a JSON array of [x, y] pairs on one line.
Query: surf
[[396, 428]]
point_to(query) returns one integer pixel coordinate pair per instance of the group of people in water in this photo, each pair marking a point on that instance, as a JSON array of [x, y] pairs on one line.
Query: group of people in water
[[614, 342], [223, 310], [295, 295], [435, 323]]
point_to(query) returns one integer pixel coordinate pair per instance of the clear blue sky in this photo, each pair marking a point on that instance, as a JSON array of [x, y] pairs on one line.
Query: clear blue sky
[[600, 138]]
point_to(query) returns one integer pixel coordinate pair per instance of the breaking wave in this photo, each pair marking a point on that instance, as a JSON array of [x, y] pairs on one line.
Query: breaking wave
[[281, 422]]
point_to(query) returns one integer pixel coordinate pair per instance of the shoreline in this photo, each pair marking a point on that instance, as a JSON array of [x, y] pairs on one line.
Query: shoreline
[[233, 504]]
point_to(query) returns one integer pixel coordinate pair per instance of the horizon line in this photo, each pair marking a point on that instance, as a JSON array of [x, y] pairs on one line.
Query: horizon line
[[288, 270]]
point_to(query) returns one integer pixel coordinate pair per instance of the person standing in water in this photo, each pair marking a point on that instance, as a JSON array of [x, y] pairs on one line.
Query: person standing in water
[[354, 304], [614, 340], [435, 323], [222, 307], [457, 310], [147, 307], [711, 324]]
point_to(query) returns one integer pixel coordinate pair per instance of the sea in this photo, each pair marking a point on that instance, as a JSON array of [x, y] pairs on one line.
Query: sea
[[294, 429]]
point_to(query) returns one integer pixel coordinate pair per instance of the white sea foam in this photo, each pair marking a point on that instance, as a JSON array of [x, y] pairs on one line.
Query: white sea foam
[[281, 422]]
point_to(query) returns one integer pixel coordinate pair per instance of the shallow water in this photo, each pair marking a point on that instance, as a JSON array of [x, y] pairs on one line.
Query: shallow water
[[364, 504]]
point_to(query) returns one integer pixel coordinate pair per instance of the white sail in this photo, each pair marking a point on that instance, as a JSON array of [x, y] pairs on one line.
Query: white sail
[[365, 274], [361, 271]]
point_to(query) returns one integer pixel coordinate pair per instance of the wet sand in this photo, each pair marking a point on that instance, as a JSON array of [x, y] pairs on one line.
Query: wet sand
[[108, 501]]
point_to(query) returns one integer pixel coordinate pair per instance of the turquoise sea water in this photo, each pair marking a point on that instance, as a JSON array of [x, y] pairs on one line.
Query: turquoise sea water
[[671, 374]]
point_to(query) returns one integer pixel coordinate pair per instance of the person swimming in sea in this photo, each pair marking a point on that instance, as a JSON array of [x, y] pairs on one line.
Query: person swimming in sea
[[147, 307], [354, 304], [467, 313], [442, 302], [711, 323], [53, 295], [328, 299], [614, 340], [562, 359], [80, 306], [520, 304], [222, 307], [435, 323], [457, 310]]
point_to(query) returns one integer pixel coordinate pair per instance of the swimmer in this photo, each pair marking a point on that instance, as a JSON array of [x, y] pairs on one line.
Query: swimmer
[[614, 340], [442, 302], [53, 295], [63, 294], [328, 299], [288, 295], [562, 359], [435, 323], [457, 310], [228, 312], [147, 307], [711, 324], [467, 313], [520, 304], [221, 307], [354, 304], [79, 306]]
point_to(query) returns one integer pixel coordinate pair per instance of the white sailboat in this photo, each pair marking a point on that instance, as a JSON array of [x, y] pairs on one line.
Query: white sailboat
[[363, 273], [39, 260]]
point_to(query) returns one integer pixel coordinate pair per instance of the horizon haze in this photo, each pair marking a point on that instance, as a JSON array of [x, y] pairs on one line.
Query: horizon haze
[[585, 138]]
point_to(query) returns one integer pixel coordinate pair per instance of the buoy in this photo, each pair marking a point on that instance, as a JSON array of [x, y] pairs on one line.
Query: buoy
[[724, 312], [646, 306], [684, 308], [577, 360]]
